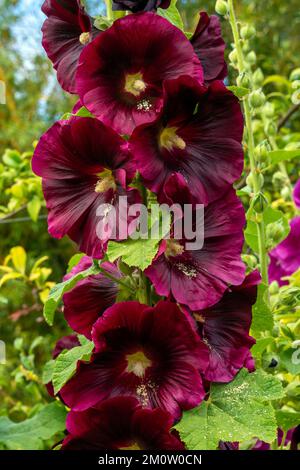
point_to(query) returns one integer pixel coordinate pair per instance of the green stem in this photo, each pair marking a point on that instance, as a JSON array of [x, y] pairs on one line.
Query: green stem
[[281, 165], [263, 257], [109, 12]]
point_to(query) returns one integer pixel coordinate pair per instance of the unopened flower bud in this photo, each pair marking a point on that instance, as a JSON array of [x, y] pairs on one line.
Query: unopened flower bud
[[285, 193], [268, 110], [258, 77], [233, 56], [247, 31], [221, 7], [260, 203], [296, 84], [261, 151], [257, 98], [251, 58], [295, 74], [243, 80], [275, 232], [279, 180], [274, 288], [290, 296], [250, 261], [270, 129]]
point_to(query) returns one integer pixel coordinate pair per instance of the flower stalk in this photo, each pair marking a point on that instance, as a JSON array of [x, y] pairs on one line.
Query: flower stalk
[[255, 171], [109, 12]]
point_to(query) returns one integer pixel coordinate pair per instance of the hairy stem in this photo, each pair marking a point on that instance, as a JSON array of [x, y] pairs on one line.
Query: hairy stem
[[263, 257]]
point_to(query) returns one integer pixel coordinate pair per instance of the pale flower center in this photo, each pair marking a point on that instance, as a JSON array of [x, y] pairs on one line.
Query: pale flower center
[[105, 182], [135, 84], [84, 38], [173, 248], [137, 363], [169, 140]]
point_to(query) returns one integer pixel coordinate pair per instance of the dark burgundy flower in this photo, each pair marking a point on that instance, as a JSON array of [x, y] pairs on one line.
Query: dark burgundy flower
[[66, 32], [198, 134], [84, 304], [285, 257], [209, 46], [292, 437], [120, 423], [224, 328], [296, 194], [140, 5], [151, 353], [199, 277], [84, 165], [120, 73]]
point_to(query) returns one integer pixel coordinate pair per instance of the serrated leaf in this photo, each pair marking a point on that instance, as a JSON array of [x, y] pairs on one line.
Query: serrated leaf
[[48, 372], [234, 412], [58, 290], [287, 419], [74, 261], [290, 359], [278, 156], [138, 253], [29, 434], [239, 91], [262, 318], [172, 14], [34, 207], [65, 364]]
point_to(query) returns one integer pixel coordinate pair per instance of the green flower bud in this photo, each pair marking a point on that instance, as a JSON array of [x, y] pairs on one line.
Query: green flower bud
[[247, 31], [243, 80], [296, 84], [274, 288], [290, 296], [295, 74], [285, 193], [259, 203], [233, 56], [251, 58], [250, 180], [257, 98], [261, 151], [258, 77], [275, 232], [270, 129], [221, 7], [268, 110], [279, 179], [250, 261]]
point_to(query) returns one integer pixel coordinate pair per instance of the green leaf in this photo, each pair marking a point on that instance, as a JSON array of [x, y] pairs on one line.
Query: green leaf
[[270, 216], [290, 359], [278, 156], [172, 14], [138, 253], [83, 112], [65, 364], [29, 434], [74, 261], [19, 257], [48, 372], [287, 419], [34, 207], [58, 290], [235, 411], [239, 91], [262, 318], [12, 158], [261, 345]]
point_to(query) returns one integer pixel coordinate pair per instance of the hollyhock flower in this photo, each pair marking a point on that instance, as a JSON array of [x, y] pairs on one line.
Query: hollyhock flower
[[140, 5], [224, 327], [91, 296], [66, 31], [296, 194], [120, 423], [151, 353], [209, 46], [120, 73], [198, 134], [85, 165], [285, 257], [199, 277]]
